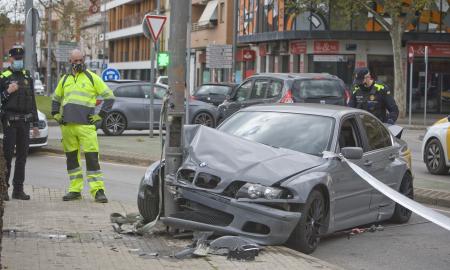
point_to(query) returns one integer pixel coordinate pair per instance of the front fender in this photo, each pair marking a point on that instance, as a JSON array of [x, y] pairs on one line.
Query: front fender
[[302, 185]]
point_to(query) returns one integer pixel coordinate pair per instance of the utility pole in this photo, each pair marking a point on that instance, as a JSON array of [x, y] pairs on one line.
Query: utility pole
[[104, 34], [177, 85], [29, 46], [235, 26], [49, 50]]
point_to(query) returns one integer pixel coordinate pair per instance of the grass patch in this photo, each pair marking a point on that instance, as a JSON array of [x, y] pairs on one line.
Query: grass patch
[[44, 104]]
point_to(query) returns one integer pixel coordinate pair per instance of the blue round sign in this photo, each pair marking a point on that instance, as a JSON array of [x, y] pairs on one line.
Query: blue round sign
[[110, 74]]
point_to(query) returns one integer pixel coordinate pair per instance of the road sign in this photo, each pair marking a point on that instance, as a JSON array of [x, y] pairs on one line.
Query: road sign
[[411, 54], [219, 56], [63, 50], [155, 24], [110, 74]]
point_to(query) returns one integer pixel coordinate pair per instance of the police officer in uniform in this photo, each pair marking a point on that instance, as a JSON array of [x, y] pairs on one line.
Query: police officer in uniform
[[18, 114], [373, 96]]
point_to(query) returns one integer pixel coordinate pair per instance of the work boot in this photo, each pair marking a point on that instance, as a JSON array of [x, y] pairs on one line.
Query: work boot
[[5, 196], [20, 195], [70, 196], [100, 196]]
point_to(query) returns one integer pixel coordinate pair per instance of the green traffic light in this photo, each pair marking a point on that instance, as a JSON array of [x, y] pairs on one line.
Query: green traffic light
[[163, 59]]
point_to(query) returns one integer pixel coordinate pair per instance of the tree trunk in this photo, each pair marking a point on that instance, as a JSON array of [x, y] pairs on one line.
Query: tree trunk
[[396, 34]]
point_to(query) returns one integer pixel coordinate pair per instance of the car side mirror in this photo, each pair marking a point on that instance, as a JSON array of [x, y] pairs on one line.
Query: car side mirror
[[227, 97], [352, 152]]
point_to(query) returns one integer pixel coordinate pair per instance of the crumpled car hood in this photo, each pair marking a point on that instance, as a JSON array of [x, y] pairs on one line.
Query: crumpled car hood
[[234, 158]]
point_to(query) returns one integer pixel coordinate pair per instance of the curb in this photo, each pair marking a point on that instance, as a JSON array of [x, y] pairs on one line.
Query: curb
[[433, 197]]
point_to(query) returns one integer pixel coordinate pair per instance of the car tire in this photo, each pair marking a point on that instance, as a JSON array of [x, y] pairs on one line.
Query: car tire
[[148, 201], [403, 214], [434, 157], [203, 118], [306, 235], [114, 124]]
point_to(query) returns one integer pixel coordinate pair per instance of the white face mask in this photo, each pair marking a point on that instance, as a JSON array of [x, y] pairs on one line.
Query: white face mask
[[17, 65]]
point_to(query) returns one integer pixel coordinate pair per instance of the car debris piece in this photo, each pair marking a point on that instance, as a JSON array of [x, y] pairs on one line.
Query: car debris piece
[[237, 248], [132, 223], [244, 253]]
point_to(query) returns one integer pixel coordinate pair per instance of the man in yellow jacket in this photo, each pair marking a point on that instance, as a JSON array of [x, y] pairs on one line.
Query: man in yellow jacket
[[77, 94]]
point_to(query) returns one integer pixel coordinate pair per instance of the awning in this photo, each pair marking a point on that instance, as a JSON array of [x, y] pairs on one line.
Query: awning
[[210, 13]]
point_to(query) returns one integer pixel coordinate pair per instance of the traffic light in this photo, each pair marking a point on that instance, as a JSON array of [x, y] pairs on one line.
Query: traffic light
[[163, 59]]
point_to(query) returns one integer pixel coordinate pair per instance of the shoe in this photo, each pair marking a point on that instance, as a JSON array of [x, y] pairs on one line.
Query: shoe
[[5, 196], [70, 196], [20, 195], [100, 196]]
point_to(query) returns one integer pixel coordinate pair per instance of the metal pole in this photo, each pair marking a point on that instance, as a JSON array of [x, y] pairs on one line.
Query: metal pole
[[188, 65], [410, 90], [104, 34], [152, 86], [426, 88], [49, 50], [28, 37], [235, 26], [177, 86]]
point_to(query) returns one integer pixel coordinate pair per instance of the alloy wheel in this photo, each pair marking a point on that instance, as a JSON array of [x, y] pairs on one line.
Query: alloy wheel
[[434, 156], [314, 222], [204, 119], [115, 123]]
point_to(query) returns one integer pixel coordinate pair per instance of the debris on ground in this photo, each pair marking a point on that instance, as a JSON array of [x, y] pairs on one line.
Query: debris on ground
[[132, 223], [355, 231]]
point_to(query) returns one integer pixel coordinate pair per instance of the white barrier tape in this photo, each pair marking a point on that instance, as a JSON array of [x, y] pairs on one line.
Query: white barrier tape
[[397, 197]]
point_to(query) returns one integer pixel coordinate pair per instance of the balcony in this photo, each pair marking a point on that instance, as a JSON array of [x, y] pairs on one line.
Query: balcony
[[200, 27], [92, 20], [115, 3]]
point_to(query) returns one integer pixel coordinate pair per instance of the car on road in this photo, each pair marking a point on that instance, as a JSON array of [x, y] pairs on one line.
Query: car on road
[[163, 80], [39, 88], [131, 108], [320, 88], [263, 174], [42, 139], [436, 147], [214, 93]]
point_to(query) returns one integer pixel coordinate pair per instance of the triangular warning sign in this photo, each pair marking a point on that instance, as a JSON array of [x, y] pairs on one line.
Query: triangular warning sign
[[155, 24]]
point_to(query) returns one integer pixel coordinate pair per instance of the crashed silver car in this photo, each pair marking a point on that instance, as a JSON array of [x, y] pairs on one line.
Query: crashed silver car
[[262, 175]]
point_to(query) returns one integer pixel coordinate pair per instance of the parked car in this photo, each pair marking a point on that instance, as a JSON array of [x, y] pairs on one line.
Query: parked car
[[286, 88], [163, 80], [42, 139], [39, 88], [436, 148], [272, 184], [214, 93], [132, 106]]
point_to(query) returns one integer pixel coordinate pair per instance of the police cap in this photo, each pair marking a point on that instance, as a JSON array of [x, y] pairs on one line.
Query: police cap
[[16, 52], [360, 73]]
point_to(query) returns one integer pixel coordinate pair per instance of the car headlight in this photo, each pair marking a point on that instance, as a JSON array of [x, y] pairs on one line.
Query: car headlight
[[256, 191]]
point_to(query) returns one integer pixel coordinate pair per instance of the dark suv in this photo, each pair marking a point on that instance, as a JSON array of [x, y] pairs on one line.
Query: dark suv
[[285, 88]]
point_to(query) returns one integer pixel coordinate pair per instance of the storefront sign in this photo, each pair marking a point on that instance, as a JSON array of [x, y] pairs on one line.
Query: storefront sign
[[330, 58], [326, 46], [360, 64], [298, 47], [245, 55], [434, 49], [263, 49]]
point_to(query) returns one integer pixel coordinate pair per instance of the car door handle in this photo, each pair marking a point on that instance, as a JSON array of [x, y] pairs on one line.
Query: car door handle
[[392, 157], [368, 163]]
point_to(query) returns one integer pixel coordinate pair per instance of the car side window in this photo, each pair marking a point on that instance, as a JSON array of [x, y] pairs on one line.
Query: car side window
[[159, 91], [377, 135], [259, 89], [130, 91], [243, 92], [348, 134], [274, 89]]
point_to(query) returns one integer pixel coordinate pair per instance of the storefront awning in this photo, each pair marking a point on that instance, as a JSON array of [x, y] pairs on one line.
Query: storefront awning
[[210, 13]]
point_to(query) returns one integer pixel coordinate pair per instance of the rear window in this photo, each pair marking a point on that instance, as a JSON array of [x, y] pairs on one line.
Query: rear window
[[317, 88], [213, 89]]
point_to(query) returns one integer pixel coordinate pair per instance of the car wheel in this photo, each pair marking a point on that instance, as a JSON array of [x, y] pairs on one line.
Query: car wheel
[[434, 157], [306, 236], [148, 201], [402, 214], [114, 124], [203, 118]]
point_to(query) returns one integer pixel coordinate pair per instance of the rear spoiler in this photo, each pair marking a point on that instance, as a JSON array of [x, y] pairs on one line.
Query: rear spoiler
[[395, 130]]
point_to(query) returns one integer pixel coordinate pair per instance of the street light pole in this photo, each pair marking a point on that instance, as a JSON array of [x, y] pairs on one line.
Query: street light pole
[[29, 46], [104, 34], [49, 49], [235, 22]]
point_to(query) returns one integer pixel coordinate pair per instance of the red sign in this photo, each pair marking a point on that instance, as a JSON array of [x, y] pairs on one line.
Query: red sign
[[360, 64], [155, 24], [434, 49], [245, 55], [326, 47], [298, 47], [263, 49]]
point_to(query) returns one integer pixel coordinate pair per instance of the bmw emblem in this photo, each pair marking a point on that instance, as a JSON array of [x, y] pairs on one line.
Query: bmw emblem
[[203, 164]]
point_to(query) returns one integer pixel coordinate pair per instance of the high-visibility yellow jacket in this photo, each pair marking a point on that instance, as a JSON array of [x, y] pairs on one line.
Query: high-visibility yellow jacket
[[77, 94]]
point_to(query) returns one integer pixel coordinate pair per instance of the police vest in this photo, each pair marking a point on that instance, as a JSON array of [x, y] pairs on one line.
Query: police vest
[[21, 101]]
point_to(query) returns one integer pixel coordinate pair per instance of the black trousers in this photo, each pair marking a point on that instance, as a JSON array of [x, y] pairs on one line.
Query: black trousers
[[16, 136]]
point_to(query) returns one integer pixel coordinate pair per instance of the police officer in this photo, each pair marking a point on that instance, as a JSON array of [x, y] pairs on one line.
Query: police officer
[[18, 113], [373, 96], [77, 92]]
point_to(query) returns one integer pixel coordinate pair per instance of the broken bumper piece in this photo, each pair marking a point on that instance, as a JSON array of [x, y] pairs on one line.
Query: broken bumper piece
[[227, 216]]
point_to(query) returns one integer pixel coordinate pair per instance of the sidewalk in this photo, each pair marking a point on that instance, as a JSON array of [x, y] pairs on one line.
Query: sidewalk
[[46, 233]]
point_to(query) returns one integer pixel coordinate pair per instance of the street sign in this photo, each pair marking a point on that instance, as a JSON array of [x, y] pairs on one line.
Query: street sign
[[219, 56], [110, 74], [411, 54], [155, 24], [63, 50]]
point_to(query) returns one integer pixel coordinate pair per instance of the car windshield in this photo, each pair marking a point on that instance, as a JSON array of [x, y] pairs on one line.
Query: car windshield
[[164, 80], [299, 132], [213, 89], [317, 88], [37, 83]]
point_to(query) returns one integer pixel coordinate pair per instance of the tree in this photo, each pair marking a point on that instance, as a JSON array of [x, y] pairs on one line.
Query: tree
[[395, 16]]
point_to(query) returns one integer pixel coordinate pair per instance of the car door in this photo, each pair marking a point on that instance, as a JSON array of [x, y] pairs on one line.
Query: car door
[[157, 103], [258, 94], [380, 159], [273, 93], [237, 101], [352, 193], [130, 101]]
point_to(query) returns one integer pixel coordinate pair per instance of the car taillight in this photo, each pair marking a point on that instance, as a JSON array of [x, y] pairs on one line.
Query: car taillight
[[288, 98], [347, 96], [98, 102]]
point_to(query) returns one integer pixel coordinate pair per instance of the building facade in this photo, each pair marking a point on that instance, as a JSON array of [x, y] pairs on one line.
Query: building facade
[[13, 35], [321, 40]]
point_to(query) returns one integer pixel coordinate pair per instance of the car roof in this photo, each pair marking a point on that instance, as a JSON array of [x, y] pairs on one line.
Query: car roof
[[287, 76], [220, 84], [305, 108]]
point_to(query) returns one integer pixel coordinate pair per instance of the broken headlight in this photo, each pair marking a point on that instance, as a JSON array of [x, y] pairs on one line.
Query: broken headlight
[[257, 191]]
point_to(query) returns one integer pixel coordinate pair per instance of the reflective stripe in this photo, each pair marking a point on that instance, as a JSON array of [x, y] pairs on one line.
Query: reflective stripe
[[75, 177], [79, 93], [57, 98], [82, 103], [93, 172], [6, 73], [94, 179], [74, 170], [378, 86]]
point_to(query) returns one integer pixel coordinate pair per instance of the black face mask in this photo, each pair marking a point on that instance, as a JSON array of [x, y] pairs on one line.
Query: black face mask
[[78, 67]]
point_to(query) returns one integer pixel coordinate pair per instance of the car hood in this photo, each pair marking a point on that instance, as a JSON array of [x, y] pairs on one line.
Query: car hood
[[233, 158]]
